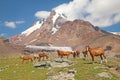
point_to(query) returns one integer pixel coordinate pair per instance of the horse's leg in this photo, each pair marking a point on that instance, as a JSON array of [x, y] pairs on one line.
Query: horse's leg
[[46, 57], [31, 60], [23, 61], [101, 59], [78, 55], [61, 56], [74, 55], [67, 56], [92, 59], [105, 58], [58, 55], [39, 59]]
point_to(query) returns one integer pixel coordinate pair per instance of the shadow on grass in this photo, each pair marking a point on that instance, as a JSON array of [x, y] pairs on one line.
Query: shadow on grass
[[91, 63]]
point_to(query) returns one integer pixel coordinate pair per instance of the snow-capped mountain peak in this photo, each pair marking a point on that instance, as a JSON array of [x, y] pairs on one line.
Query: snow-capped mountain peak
[[55, 17], [34, 27], [57, 20]]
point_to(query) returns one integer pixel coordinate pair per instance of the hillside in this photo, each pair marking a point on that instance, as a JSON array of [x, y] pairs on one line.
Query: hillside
[[104, 41], [7, 49], [57, 30]]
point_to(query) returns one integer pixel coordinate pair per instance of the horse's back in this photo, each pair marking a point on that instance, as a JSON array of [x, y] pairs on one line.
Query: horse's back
[[26, 58], [100, 51]]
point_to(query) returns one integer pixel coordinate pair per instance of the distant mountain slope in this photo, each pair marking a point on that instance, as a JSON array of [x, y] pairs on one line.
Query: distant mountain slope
[[104, 41], [57, 30], [7, 49]]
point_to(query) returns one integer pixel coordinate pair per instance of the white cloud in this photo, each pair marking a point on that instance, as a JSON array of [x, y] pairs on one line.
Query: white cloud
[[73, 9], [2, 34], [42, 14], [101, 13], [20, 22], [12, 24]]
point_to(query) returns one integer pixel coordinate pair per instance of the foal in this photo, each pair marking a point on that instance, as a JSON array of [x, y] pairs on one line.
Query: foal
[[26, 58], [42, 54]]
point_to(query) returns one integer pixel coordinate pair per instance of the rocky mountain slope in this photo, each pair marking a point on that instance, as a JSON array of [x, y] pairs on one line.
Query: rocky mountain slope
[[57, 30]]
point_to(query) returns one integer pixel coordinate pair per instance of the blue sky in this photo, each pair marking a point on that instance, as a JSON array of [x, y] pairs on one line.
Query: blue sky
[[17, 15]]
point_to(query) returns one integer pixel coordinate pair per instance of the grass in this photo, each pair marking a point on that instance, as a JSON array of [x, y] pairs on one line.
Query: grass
[[13, 69], [18, 71]]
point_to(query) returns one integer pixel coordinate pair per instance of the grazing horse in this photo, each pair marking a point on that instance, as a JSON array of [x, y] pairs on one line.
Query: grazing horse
[[63, 53], [26, 58], [42, 54], [76, 53], [98, 52], [85, 53], [35, 57]]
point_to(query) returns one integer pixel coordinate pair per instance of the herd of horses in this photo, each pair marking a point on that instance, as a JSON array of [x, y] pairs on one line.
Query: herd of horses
[[93, 52]]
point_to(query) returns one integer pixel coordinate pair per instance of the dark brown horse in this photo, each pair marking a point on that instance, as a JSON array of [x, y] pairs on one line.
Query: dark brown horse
[[63, 53], [98, 52], [26, 58], [42, 55], [85, 52], [76, 53]]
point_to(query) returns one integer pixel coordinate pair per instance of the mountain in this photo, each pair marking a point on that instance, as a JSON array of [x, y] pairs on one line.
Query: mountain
[[7, 49], [57, 30]]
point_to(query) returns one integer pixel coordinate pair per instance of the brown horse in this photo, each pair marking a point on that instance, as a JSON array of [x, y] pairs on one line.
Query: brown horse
[[26, 58], [42, 55], [98, 52], [63, 53], [76, 53], [85, 53], [35, 57]]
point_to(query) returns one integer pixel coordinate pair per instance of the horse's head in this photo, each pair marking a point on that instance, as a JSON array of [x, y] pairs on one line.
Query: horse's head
[[88, 48]]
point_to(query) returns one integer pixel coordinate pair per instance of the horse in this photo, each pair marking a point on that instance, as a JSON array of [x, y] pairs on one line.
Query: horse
[[63, 53], [35, 56], [76, 53], [42, 54], [98, 52], [85, 53], [26, 58]]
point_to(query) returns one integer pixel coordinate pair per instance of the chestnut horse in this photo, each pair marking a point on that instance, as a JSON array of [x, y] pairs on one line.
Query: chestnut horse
[[63, 53], [26, 58], [42, 54], [98, 52]]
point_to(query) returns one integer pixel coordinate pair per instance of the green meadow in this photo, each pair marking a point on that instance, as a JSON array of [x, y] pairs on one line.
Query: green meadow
[[14, 69]]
